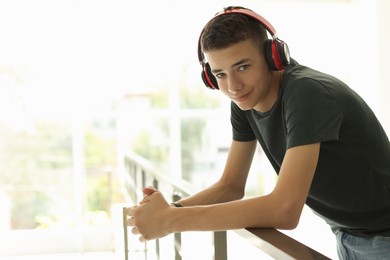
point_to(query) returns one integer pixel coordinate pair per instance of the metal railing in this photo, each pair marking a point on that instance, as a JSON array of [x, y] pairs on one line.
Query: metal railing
[[141, 173]]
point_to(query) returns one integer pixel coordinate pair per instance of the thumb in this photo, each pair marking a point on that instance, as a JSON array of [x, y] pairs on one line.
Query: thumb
[[149, 190]]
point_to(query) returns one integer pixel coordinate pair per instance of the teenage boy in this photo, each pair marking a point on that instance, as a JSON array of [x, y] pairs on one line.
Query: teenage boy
[[324, 142]]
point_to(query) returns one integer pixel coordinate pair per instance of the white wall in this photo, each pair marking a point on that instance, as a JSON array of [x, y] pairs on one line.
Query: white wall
[[383, 50]]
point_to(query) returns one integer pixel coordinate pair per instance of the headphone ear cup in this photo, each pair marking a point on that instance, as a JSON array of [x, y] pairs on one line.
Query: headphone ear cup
[[277, 54], [208, 78], [284, 52], [269, 55]]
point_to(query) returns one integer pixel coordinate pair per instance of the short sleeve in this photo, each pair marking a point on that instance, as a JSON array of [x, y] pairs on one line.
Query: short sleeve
[[311, 113]]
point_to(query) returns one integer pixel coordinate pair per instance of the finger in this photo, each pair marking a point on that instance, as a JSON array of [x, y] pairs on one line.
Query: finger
[[142, 239], [130, 211], [144, 200], [134, 230], [149, 190], [130, 222], [147, 198]]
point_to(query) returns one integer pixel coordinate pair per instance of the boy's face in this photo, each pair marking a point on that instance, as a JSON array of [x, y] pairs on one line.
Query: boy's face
[[243, 75]]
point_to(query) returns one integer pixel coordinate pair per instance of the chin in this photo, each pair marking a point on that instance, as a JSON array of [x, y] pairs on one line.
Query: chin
[[243, 106]]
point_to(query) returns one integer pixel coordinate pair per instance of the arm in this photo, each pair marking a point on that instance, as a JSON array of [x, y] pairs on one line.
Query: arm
[[279, 209], [231, 186]]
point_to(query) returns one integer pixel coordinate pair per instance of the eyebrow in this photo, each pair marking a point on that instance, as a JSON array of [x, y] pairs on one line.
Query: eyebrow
[[238, 63]]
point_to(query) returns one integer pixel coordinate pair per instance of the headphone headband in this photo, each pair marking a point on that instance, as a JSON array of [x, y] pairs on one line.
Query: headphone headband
[[252, 14], [238, 10]]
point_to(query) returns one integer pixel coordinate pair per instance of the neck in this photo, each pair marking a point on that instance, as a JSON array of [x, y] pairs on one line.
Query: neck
[[273, 95]]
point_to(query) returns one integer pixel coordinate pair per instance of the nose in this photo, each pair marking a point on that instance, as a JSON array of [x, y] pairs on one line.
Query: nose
[[234, 84]]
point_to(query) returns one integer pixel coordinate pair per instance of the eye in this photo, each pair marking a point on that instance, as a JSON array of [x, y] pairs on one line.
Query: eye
[[220, 75], [243, 68]]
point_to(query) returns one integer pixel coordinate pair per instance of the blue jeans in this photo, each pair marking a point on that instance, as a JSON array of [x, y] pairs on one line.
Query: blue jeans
[[353, 247]]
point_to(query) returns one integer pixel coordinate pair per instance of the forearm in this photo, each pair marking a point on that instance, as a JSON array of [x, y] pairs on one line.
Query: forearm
[[217, 193], [154, 218], [255, 212], [231, 185]]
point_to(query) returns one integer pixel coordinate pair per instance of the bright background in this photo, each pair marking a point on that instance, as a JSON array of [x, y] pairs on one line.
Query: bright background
[[82, 82]]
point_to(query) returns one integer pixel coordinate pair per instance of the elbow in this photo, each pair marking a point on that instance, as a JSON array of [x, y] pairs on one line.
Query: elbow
[[235, 195], [288, 217], [288, 223], [239, 194]]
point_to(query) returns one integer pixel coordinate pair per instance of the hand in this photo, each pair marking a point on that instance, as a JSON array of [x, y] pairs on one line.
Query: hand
[[150, 218], [148, 191]]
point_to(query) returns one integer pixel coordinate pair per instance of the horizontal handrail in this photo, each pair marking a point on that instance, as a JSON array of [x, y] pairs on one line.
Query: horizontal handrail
[[181, 185], [268, 240], [278, 245]]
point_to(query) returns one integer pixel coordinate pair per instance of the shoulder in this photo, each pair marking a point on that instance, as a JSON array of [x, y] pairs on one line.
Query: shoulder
[[301, 83], [298, 78]]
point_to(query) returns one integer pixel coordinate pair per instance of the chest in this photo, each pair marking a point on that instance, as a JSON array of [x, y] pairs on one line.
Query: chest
[[271, 133]]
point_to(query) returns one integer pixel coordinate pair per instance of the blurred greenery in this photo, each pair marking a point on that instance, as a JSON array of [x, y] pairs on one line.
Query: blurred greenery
[[37, 164], [36, 159], [192, 131]]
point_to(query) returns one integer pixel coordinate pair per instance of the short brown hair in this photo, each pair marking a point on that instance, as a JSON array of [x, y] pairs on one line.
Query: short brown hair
[[225, 30]]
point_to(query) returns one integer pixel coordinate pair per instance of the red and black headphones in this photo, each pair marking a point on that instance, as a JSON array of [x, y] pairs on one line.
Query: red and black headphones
[[276, 51]]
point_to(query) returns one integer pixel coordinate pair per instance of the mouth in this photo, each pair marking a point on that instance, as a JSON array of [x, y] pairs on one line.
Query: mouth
[[241, 98]]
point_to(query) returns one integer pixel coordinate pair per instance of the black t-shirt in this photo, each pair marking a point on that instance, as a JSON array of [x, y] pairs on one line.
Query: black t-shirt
[[351, 185]]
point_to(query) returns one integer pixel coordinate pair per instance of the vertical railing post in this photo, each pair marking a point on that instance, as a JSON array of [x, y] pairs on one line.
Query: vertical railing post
[[177, 236], [220, 245], [125, 235], [134, 171], [134, 176], [143, 178], [155, 185], [143, 185]]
